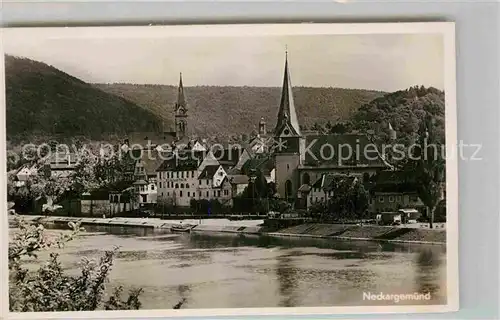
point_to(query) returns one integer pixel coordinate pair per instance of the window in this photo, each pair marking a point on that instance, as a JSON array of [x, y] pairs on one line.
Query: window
[[199, 182], [182, 185], [208, 182], [306, 179], [180, 193], [162, 194], [177, 186], [189, 194], [226, 192], [160, 185], [220, 173], [177, 174], [398, 198], [192, 174], [153, 187], [199, 193], [214, 193], [287, 167], [207, 194], [381, 199], [391, 198], [288, 189], [182, 174], [168, 193], [322, 199], [218, 193]]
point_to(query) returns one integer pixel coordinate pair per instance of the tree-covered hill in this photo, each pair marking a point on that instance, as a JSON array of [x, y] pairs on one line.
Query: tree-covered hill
[[404, 110], [44, 102]]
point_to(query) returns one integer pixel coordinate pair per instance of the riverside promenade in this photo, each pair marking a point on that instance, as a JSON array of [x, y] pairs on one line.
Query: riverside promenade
[[399, 234]]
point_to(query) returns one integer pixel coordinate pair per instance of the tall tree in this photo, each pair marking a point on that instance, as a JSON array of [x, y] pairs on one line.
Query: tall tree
[[428, 166]]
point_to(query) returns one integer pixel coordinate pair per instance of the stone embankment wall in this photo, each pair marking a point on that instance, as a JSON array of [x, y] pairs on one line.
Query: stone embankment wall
[[308, 230], [367, 232]]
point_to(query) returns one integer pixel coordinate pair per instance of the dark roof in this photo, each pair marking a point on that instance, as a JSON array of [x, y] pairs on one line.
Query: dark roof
[[227, 156], [208, 172], [346, 145], [238, 179], [394, 181], [262, 162], [329, 181], [180, 164]]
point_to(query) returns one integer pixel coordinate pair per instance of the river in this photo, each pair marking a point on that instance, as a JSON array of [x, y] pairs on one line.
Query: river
[[236, 271]]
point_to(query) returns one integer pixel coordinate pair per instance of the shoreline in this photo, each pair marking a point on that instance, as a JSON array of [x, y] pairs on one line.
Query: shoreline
[[309, 230]]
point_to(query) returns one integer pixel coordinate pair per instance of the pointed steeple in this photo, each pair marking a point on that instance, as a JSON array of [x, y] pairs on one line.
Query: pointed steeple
[[287, 115], [180, 112], [181, 99]]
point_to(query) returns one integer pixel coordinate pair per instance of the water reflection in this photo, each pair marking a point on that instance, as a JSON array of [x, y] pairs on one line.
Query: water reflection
[[202, 270], [427, 280], [287, 278]]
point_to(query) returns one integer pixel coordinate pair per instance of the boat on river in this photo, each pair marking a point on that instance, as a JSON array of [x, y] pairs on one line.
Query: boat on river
[[181, 228]]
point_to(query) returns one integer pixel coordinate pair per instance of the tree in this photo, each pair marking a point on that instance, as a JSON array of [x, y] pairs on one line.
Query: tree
[[428, 165], [48, 288], [317, 127], [349, 199]]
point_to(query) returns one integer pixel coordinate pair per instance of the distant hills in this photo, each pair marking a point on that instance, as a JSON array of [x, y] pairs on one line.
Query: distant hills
[[47, 103], [236, 110], [44, 102]]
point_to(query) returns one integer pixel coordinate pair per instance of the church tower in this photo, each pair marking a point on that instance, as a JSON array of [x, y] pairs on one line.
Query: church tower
[[180, 110], [289, 143]]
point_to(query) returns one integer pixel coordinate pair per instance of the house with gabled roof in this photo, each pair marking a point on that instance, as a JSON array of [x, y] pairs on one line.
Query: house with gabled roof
[[393, 190], [323, 188]]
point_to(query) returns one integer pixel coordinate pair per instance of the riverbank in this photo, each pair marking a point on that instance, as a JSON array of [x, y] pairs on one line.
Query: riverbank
[[308, 230]]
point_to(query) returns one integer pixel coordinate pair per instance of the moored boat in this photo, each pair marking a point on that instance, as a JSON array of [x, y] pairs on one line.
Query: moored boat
[[181, 228]]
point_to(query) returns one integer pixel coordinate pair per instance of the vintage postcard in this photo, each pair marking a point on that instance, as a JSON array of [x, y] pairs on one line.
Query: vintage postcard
[[216, 170]]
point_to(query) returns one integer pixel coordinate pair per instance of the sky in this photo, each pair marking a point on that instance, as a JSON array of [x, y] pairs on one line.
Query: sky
[[385, 62]]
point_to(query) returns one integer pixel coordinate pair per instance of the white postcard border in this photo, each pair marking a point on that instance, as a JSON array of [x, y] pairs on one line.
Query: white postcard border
[[446, 29]]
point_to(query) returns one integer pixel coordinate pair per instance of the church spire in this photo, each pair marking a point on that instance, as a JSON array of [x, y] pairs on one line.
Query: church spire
[[180, 112], [287, 116], [181, 99]]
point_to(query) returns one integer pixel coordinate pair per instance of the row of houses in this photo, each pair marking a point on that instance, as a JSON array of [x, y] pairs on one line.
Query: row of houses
[[177, 168]]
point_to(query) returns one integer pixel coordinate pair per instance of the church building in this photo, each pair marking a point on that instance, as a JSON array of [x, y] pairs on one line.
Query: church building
[[166, 139], [302, 159]]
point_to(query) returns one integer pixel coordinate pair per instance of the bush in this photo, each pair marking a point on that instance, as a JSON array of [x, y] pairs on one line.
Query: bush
[[48, 288]]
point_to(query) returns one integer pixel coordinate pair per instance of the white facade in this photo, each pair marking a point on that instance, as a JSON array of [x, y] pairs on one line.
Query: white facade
[[178, 186], [148, 193]]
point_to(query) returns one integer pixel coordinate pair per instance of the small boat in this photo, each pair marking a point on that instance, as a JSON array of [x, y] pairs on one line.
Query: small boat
[[181, 228]]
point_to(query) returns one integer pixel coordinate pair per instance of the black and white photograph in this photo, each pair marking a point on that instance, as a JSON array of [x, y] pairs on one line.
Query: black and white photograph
[[231, 169]]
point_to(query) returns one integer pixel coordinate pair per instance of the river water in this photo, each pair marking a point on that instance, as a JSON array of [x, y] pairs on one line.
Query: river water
[[240, 271]]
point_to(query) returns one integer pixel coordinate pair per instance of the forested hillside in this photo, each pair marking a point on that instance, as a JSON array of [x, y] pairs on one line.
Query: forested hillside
[[404, 110], [44, 102], [237, 110]]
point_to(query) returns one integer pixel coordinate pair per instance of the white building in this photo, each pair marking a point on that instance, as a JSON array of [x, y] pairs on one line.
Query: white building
[[197, 175]]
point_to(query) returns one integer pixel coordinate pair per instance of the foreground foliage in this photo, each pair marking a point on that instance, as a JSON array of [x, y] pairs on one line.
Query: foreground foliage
[[49, 288]]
